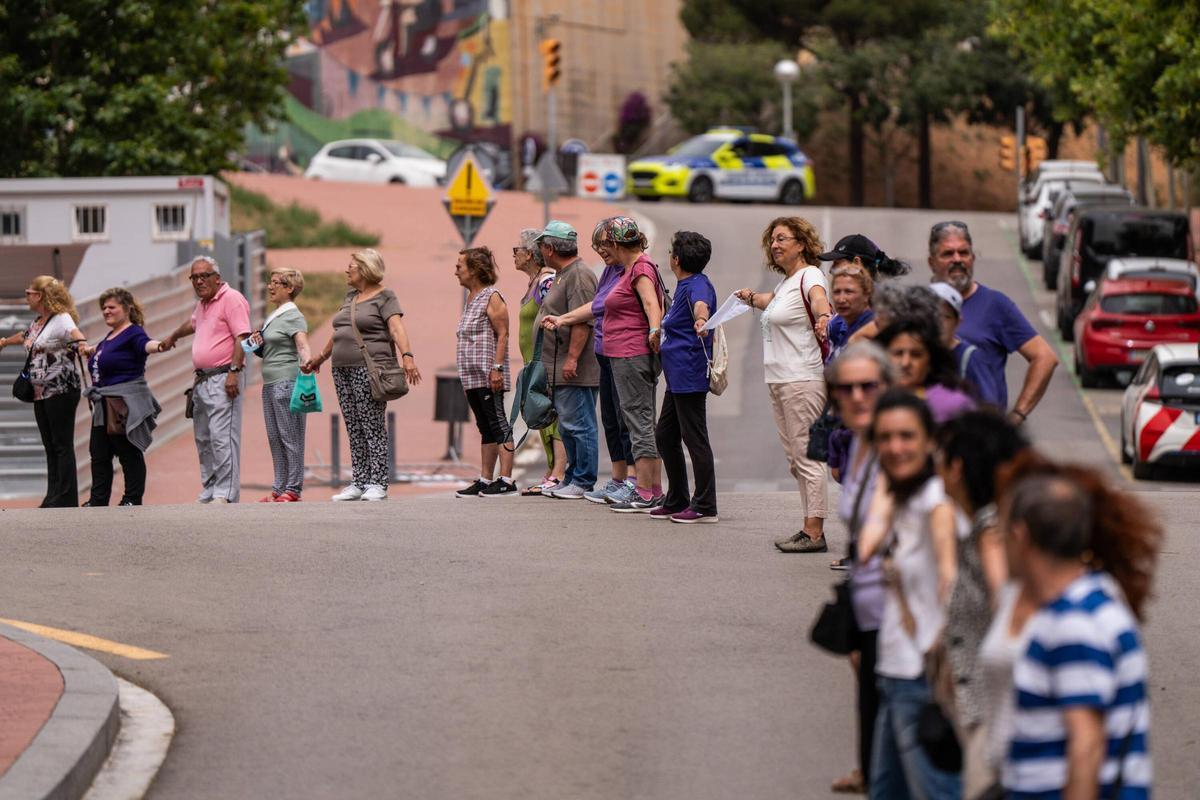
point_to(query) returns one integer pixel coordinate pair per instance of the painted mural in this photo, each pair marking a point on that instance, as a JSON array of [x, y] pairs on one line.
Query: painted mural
[[441, 68]]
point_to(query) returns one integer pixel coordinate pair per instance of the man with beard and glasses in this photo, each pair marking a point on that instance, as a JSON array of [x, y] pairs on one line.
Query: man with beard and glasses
[[991, 321]]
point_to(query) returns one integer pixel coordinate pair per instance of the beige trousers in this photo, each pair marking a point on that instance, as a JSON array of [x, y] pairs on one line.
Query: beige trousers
[[797, 406]]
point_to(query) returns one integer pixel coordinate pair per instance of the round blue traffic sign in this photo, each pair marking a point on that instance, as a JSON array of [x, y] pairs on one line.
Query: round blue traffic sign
[[612, 182]]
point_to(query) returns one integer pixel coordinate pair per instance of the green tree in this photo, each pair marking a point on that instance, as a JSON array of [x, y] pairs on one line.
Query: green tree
[[1135, 64], [136, 87], [731, 84]]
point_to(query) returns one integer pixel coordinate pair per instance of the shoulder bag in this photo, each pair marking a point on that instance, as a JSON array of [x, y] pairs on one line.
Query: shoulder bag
[[822, 344], [534, 393], [836, 628], [23, 387], [718, 363], [387, 383]]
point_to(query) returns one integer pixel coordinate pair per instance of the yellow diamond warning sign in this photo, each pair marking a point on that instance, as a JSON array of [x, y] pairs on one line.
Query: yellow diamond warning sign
[[469, 192]]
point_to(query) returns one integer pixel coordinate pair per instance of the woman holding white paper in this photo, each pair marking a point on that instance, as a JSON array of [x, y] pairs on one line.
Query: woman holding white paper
[[794, 321]]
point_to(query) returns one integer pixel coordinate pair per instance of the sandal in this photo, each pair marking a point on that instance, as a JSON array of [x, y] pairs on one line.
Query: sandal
[[840, 564], [849, 784]]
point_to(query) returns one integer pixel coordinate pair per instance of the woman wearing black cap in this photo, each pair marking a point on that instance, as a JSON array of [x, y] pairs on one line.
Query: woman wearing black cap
[[858, 249]]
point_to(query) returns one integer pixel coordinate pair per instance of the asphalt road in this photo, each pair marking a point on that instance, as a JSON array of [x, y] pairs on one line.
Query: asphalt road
[[528, 648]]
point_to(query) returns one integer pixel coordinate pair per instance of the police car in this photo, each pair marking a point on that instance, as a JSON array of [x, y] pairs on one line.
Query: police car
[[726, 164]]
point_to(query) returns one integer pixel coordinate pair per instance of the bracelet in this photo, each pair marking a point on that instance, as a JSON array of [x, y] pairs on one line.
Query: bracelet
[[653, 331], [823, 316], [410, 355], [1021, 414]]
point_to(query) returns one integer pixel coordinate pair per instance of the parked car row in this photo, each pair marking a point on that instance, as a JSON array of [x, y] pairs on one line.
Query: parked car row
[[1160, 412]]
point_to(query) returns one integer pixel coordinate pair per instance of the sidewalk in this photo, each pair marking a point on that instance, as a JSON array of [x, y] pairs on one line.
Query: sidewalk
[[58, 717]]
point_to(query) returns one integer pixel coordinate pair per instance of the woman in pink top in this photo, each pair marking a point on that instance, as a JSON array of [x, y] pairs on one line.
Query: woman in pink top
[[633, 312]]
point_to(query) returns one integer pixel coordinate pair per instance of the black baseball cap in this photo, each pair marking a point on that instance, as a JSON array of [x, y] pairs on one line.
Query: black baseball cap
[[850, 246]]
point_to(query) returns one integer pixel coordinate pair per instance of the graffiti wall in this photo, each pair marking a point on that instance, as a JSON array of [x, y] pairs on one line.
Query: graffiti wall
[[440, 67]]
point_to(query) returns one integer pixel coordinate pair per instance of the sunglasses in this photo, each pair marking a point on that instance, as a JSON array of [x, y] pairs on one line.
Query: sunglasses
[[847, 389], [201, 276]]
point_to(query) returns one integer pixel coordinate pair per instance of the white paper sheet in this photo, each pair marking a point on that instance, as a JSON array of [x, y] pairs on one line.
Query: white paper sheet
[[730, 309]]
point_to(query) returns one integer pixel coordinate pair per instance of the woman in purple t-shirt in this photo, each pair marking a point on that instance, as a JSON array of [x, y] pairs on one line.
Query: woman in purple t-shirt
[[124, 409], [925, 367]]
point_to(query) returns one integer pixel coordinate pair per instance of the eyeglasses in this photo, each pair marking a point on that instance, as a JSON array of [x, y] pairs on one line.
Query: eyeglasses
[[278, 283], [598, 246], [848, 389], [783, 239], [518, 250], [201, 276]]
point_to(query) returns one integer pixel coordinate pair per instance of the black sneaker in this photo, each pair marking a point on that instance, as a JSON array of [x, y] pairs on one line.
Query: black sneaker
[[473, 490], [500, 488]]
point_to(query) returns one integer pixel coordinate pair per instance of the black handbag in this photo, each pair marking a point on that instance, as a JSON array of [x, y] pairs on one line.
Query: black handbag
[[818, 435], [836, 628], [937, 738], [22, 386]]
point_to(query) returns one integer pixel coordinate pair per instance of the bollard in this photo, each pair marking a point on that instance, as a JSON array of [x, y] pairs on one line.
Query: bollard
[[335, 452], [391, 423]]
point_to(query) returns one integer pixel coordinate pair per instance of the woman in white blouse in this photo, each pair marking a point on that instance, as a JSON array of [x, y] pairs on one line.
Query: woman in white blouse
[[50, 343], [794, 321]]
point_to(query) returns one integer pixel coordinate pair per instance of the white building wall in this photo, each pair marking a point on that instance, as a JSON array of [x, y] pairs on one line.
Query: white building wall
[[129, 251]]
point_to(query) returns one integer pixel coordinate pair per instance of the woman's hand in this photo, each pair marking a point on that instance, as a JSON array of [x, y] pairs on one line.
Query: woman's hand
[[410, 370], [496, 379], [822, 327], [550, 322], [655, 339], [746, 296], [313, 364], [256, 339], [699, 327]]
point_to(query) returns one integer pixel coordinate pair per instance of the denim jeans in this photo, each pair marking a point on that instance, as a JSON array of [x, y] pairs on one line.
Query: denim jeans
[[900, 770], [576, 407]]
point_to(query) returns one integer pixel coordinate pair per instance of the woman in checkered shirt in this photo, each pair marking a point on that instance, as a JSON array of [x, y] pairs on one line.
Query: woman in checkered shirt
[[482, 356]]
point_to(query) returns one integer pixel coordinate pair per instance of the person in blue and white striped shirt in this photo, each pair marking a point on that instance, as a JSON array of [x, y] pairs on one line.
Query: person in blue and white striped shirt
[[1082, 715]]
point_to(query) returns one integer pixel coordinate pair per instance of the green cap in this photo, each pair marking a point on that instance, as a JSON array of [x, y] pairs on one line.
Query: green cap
[[559, 230]]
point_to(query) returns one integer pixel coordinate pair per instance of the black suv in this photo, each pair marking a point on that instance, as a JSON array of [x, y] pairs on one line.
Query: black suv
[[1103, 233]]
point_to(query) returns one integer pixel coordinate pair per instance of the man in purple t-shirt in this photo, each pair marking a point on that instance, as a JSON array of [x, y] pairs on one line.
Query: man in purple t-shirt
[[991, 321]]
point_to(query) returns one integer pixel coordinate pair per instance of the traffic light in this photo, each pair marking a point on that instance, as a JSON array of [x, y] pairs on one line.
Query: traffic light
[[551, 62], [1035, 152], [1008, 153]]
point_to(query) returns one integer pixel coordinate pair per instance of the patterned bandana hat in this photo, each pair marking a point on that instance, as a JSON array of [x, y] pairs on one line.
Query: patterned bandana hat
[[624, 230], [603, 231]]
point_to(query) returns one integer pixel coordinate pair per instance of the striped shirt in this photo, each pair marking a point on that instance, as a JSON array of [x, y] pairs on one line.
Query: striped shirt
[[475, 353], [1084, 651]]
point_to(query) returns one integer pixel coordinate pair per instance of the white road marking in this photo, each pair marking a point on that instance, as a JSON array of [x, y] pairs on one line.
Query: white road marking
[[147, 727], [1047, 318]]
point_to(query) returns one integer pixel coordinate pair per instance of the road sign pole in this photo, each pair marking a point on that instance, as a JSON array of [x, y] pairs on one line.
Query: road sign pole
[[551, 144]]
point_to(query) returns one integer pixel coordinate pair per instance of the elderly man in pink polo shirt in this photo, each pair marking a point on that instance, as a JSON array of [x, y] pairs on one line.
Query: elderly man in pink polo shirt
[[220, 322]]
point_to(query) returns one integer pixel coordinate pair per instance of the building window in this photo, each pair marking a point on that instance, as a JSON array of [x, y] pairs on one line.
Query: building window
[[91, 223], [170, 221], [12, 224]]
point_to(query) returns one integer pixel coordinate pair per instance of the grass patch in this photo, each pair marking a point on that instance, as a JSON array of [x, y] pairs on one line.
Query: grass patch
[[292, 225], [323, 295]]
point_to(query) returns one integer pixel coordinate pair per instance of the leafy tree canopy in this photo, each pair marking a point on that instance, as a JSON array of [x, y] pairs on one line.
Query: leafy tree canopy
[[137, 87]]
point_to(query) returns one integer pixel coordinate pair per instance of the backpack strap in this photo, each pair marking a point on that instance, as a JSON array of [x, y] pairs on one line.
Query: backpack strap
[[966, 359]]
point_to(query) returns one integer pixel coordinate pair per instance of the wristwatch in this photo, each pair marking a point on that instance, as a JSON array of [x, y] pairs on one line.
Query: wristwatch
[[236, 369], [498, 367]]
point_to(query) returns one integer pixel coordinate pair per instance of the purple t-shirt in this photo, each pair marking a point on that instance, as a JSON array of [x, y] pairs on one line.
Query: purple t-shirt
[[120, 358], [684, 354], [993, 323], [945, 404], [608, 279]]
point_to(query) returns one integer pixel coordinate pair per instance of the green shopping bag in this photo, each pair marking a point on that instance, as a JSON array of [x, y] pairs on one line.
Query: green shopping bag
[[305, 397]]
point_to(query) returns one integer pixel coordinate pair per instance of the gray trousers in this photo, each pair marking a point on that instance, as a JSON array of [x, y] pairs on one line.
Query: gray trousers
[[635, 379], [285, 435], [217, 426]]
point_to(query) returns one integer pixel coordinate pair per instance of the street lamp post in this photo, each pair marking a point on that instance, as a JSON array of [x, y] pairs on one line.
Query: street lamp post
[[786, 72]]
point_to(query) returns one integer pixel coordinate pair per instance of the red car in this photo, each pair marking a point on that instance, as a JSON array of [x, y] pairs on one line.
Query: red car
[[1124, 319]]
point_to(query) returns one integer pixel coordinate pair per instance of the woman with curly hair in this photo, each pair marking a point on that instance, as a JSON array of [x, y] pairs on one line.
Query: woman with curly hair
[[51, 342], [794, 329], [124, 411]]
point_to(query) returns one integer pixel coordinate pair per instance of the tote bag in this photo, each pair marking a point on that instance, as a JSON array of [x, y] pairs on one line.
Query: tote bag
[[306, 399]]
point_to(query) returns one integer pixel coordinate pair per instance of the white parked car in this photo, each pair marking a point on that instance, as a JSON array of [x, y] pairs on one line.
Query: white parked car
[[1040, 200], [376, 161], [1160, 412], [1152, 269]]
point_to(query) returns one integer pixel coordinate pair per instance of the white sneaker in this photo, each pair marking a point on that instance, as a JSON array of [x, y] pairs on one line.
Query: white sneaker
[[374, 492], [351, 492], [571, 492]]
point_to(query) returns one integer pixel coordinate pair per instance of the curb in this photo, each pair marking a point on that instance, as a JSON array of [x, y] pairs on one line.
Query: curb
[[63, 758]]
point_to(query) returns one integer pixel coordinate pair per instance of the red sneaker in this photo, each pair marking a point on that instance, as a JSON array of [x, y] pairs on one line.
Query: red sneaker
[[288, 497], [271, 498]]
